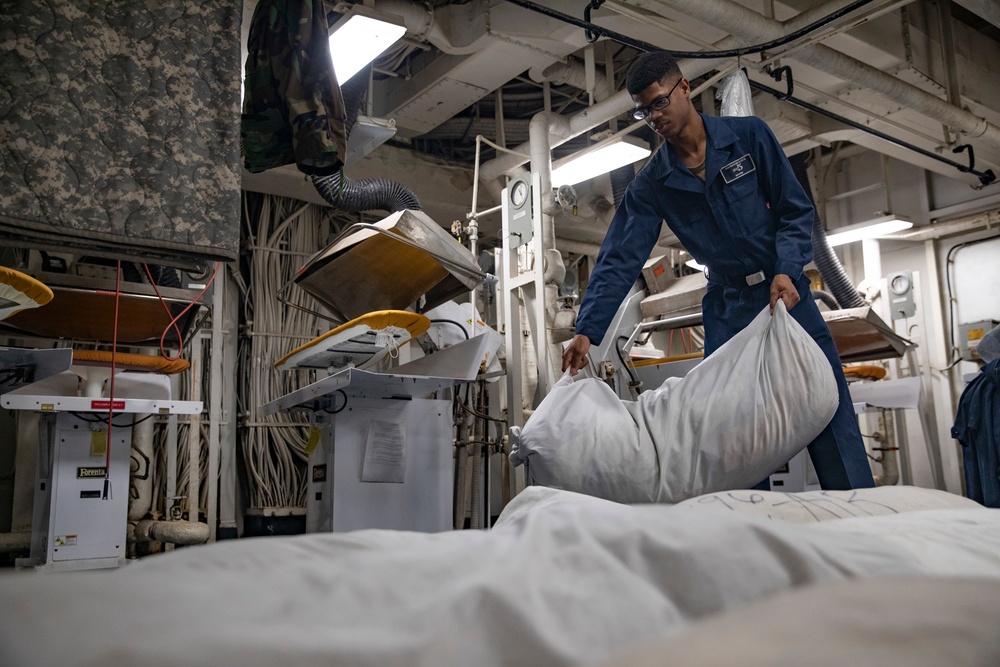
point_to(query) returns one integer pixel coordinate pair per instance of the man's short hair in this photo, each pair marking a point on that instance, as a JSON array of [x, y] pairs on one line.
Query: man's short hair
[[649, 68]]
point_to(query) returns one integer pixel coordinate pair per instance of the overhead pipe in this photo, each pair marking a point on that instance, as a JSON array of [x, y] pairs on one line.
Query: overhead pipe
[[745, 23], [985, 177], [561, 129], [573, 73], [578, 247], [422, 25], [515, 129], [184, 533], [962, 225], [17, 541]]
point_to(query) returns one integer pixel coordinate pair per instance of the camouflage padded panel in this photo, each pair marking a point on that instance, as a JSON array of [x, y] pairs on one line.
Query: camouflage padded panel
[[293, 110], [119, 131]]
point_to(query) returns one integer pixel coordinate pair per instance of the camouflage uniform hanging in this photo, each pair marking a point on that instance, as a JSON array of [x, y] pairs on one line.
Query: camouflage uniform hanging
[[293, 110]]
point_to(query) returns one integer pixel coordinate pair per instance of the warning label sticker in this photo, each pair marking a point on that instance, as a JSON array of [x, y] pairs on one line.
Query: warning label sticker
[[66, 540], [107, 405]]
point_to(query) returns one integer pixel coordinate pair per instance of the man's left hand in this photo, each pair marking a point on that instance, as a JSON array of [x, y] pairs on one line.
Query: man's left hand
[[783, 288]]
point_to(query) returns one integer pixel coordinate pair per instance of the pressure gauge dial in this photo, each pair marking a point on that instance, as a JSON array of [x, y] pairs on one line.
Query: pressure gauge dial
[[900, 284], [518, 193]]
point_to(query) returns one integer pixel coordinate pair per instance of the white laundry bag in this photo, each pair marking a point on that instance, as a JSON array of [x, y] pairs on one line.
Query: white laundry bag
[[733, 420]]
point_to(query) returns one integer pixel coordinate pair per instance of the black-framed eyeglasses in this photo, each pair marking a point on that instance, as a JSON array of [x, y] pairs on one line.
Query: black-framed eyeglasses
[[660, 103]]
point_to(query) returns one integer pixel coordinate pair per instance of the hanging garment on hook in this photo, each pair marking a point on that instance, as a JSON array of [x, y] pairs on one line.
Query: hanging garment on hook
[[293, 110]]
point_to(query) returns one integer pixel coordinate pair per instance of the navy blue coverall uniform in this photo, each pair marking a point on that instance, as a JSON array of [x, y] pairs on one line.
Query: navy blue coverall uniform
[[749, 214]]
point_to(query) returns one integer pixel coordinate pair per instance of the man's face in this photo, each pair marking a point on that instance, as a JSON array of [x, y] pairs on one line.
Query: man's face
[[670, 119]]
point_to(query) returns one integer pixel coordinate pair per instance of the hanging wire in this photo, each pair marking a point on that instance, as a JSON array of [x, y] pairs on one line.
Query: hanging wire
[[593, 31]]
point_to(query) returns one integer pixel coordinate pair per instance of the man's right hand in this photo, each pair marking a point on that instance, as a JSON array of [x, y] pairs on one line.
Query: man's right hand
[[575, 356]]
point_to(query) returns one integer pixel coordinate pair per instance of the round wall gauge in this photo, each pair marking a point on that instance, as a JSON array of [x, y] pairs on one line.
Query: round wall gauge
[[899, 284], [518, 193]]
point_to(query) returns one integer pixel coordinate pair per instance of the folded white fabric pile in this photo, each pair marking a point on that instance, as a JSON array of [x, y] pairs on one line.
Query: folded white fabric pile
[[732, 421]]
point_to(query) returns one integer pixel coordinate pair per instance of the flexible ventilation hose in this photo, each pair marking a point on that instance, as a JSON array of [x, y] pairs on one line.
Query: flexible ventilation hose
[[825, 297], [826, 261], [368, 194], [620, 178]]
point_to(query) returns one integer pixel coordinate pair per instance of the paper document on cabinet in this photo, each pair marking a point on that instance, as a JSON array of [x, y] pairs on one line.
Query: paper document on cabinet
[[385, 453]]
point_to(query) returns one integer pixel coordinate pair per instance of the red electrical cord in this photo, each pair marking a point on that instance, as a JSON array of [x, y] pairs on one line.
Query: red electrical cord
[[173, 322]]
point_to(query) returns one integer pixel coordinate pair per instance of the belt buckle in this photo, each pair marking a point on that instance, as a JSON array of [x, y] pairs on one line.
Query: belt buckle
[[755, 278]]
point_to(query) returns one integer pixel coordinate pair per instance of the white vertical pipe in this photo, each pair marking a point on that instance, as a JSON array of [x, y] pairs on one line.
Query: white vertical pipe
[[171, 445], [194, 432], [142, 441], [871, 255], [935, 392], [215, 401], [553, 267], [227, 425], [25, 459]]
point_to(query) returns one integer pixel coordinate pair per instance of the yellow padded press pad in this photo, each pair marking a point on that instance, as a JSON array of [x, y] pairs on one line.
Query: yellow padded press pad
[[639, 363], [131, 362], [19, 292], [414, 323], [870, 372]]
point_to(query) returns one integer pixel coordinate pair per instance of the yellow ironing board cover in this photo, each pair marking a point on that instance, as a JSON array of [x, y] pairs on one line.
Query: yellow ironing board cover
[[20, 292], [130, 362], [864, 372], [363, 342]]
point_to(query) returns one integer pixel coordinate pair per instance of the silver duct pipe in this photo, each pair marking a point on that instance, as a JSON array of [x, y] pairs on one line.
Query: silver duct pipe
[[749, 25], [987, 10], [621, 102], [421, 25], [573, 73], [515, 129], [19, 541], [561, 130], [578, 247], [173, 532], [962, 225], [142, 442]]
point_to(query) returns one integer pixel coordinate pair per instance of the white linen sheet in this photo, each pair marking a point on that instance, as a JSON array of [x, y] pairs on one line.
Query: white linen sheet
[[563, 579], [898, 622]]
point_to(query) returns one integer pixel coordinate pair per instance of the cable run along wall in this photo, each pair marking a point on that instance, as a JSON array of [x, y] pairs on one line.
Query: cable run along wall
[[280, 234]]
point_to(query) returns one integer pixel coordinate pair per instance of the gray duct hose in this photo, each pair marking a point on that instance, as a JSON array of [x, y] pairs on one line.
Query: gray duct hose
[[620, 178], [353, 92], [825, 297], [369, 194], [826, 261]]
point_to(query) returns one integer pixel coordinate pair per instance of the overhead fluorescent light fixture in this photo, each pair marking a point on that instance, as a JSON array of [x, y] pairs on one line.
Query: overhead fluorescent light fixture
[[598, 159], [868, 230], [359, 37]]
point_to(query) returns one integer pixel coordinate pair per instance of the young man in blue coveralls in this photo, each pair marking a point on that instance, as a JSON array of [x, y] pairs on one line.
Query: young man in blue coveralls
[[727, 191]]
